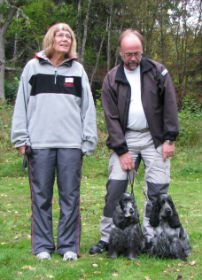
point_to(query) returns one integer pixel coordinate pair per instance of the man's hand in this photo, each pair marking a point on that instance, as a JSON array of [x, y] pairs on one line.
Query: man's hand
[[22, 149], [168, 150], [127, 162]]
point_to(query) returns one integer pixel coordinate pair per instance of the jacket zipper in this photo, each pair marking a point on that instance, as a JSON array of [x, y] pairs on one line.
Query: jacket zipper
[[55, 76]]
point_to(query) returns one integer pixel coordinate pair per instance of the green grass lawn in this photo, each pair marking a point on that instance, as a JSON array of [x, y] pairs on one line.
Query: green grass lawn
[[17, 262]]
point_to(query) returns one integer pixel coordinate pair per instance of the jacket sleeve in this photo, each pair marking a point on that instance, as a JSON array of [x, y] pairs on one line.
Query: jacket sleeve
[[88, 116], [19, 132], [170, 124], [116, 139]]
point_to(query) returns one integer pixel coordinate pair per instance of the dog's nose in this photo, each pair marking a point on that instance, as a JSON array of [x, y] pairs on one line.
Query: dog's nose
[[131, 211], [168, 211]]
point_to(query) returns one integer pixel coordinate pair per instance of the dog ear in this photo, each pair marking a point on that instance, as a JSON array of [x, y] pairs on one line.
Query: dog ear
[[174, 220], [154, 217], [121, 204]]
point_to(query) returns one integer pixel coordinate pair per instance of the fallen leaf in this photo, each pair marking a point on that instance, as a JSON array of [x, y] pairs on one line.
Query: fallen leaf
[[49, 276], [147, 278], [97, 272], [115, 274], [29, 267], [180, 264], [94, 264], [127, 263], [193, 263]]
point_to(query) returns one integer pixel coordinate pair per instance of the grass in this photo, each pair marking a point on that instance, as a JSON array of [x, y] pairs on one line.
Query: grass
[[17, 262]]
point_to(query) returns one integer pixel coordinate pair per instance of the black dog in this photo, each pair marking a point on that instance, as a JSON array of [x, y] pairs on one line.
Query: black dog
[[126, 236], [170, 238]]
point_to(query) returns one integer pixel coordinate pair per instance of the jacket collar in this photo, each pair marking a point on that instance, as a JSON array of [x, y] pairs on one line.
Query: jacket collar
[[41, 56], [145, 65]]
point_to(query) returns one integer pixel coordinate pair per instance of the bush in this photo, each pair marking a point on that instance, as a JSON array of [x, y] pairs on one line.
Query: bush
[[11, 88], [5, 126], [190, 125]]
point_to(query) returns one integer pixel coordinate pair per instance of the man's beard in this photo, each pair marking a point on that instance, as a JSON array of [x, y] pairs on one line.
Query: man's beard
[[132, 65]]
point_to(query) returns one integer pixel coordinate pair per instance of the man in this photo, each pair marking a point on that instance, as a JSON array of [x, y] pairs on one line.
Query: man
[[139, 102]]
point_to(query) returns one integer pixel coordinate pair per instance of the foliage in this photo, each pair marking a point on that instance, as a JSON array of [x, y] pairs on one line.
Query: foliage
[[171, 30], [190, 124], [6, 111], [11, 89]]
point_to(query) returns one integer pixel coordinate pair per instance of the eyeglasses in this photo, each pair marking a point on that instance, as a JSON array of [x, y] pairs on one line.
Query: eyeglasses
[[62, 35], [136, 54]]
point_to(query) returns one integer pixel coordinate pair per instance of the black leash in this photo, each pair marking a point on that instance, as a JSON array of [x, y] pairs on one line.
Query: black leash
[[132, 174], [27, 154]]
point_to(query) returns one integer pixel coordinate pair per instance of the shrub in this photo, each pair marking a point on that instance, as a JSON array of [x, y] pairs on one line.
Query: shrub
[[6, 111], [11, 89], [190, 124]]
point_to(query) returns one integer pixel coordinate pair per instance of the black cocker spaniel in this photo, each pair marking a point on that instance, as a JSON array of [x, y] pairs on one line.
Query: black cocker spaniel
[[126, 234], [170, 238]]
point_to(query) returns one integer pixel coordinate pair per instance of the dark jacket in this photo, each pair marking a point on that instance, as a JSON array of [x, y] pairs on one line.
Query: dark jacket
[[158, 99]]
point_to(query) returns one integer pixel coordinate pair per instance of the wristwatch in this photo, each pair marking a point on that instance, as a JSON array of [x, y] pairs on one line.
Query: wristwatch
[[169, 141]]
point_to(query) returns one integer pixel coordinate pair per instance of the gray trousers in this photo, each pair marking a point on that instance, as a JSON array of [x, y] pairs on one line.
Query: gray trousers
[[157, 177], [43, 164]]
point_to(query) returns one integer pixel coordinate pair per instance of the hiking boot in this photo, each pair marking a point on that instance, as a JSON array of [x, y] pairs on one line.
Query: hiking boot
[[43, 256], [100, 247]]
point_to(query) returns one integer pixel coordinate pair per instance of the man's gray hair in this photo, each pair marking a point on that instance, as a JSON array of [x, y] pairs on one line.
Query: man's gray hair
[[132, 31]]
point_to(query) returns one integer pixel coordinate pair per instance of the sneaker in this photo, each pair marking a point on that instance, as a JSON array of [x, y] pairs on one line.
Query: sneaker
[[100, 247], [69, 256], [43, 256]]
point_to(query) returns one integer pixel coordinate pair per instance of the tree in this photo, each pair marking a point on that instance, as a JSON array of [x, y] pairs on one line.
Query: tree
[[7, 11], [85, 32]]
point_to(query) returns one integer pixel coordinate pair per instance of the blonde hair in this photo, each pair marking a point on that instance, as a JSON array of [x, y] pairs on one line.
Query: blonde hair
[[48, 40], [129, 31]]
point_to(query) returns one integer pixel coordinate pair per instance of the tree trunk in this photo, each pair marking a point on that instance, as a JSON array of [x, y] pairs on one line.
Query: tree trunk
[[162, 34], [79, 28], [109, 37], [2, 66], [3, 28], [98, 56], [85, 31]]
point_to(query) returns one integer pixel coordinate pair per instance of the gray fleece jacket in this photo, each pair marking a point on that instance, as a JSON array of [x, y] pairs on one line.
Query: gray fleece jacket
[[54, 107]]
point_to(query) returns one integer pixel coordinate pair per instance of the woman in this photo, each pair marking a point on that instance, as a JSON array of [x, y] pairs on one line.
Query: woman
[[55, 115]]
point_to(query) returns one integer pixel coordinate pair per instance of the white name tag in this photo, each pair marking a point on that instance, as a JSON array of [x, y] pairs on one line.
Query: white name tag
[[69, 80]]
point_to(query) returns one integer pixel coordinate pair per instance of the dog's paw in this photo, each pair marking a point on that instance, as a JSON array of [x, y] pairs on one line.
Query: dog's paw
[[113, 255]]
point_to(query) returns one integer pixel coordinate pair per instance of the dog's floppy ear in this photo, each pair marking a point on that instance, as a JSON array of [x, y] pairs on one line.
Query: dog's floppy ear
[[154, 217], [173, 220]]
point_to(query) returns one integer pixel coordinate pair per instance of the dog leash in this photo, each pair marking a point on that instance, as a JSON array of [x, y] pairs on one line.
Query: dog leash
[[27, 154], [132, 174]]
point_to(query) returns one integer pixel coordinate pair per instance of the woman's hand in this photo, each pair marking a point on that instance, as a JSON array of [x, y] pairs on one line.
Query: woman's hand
[[22, 149]]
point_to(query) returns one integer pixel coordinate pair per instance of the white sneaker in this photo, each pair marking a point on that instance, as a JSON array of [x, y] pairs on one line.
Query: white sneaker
[[43, 256], [70, 256]]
